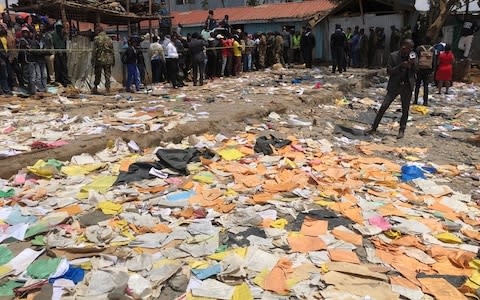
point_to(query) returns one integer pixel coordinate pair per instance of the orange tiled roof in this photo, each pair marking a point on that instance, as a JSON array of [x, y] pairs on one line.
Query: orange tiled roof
[[300, 10]]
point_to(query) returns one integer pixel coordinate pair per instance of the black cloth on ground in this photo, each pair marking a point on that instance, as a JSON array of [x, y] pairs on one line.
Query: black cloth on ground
[[263, 143], [351, 133], [173, 159], [178, 159], [320, 214], [240, 239], [456, 281]]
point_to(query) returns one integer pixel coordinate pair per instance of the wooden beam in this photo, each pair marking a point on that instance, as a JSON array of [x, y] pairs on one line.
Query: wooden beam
[[467, 10], [129, 25], [66, 27], [150, 21], [70, 29], [361, 11], [6, 7]]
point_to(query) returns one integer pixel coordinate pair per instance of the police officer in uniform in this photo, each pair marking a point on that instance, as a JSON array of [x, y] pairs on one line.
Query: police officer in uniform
[[103, 58]]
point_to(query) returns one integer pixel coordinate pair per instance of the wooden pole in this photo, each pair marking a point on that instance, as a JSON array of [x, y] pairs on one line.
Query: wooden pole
[[128, 12], [70, 27], [118, 33], [6, 7], [150, 21], [170, 5], [467, 10], [66, 27], [361, 11]]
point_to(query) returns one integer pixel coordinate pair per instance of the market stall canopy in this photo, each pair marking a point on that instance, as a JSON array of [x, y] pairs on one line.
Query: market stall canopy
[[82, 12]]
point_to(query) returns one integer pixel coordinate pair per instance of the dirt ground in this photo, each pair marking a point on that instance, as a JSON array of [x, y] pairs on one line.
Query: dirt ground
[[235, 104]]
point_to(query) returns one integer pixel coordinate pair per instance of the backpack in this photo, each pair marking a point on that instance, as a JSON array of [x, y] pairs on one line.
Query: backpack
[[425, 60]]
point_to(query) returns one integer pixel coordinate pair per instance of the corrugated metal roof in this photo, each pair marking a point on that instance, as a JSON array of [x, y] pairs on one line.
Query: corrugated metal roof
[[292, 10]]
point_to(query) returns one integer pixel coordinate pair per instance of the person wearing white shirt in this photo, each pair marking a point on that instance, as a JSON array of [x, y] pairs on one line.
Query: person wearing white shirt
[[171, 59], [157, 59]]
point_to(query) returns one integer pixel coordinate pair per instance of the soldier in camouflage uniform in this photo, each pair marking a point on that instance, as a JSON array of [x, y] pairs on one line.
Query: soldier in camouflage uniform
[[270, 58], [278, 49], [262, 50], [103, 58]]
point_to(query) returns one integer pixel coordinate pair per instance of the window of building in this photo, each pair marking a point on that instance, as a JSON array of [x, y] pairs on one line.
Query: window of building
[[183, 2]]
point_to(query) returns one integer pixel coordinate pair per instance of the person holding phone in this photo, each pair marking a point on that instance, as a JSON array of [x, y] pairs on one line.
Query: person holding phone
[[402, 66]]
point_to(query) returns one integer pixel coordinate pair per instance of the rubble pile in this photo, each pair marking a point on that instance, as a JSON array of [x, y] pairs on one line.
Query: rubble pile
[[295, 205], [228, 222]]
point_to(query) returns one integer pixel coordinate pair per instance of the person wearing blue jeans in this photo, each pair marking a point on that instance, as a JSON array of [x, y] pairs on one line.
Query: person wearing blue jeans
[[247, 57], [41, 42], [41, 76], [133, 76], [130, 59], [27, 60]]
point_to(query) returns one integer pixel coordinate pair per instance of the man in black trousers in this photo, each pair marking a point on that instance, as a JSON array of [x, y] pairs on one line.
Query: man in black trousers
[[402, 66], [307, 43], [338, 43]]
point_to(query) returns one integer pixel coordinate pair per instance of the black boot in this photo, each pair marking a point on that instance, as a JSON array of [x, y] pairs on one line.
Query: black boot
[[370, 131]]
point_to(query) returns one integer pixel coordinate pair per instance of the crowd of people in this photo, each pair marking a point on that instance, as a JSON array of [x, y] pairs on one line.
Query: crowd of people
[[356, 49], [26, 59], [410, 68], [359, 49], [215, 53], [32, 47]]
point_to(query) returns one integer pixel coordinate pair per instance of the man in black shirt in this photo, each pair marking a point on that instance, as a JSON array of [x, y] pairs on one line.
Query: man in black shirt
[[338, 41], [401, 67], [307, 43], [196, 48]]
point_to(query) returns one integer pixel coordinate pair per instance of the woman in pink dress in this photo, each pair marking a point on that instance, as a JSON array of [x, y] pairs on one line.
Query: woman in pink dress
[[445, 69]]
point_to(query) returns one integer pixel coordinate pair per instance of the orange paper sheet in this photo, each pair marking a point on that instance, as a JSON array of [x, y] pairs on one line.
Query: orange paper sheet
[[276, 280], [440, 289], [306, 244], [348, 237], [312, 227], [343, 256], [71, 210]]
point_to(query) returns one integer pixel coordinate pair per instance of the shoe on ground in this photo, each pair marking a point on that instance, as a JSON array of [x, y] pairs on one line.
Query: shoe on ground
[[370, 131], [400, 135]]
